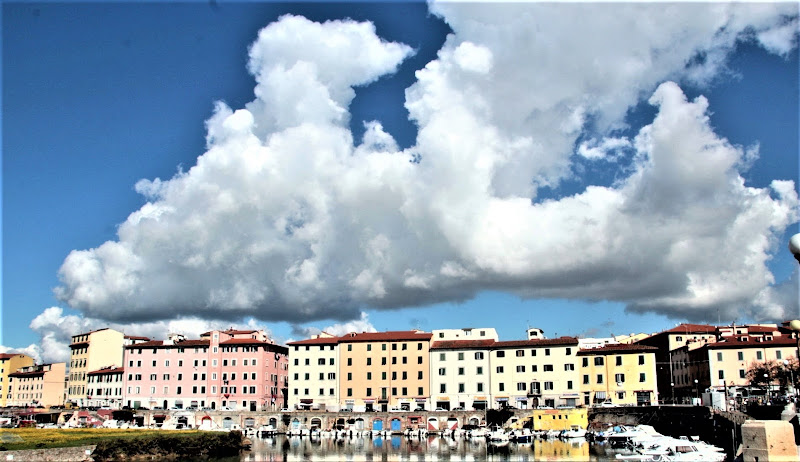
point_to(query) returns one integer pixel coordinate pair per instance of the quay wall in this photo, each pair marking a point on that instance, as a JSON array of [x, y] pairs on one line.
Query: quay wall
[[72, 454], [720, 429]]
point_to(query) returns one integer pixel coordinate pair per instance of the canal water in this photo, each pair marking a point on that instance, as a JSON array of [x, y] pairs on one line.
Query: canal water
[[399, 448]]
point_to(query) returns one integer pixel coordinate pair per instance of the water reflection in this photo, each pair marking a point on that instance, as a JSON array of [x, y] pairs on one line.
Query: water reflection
[[399, 448]]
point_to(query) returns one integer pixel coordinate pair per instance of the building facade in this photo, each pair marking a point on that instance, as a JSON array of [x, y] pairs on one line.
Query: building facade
[[314, 373], [622, 374], [37, 385], [104, 387], [233, 369], [10, 362], [460, 368], [91, 351]]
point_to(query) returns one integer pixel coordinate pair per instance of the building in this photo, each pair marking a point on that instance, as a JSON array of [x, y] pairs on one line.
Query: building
[[235, 369], [10, 362], [376, 371], [532, 373], [104, 387], [460, 368], [37, 385], [91, 351], [314, 373], [621, 374]]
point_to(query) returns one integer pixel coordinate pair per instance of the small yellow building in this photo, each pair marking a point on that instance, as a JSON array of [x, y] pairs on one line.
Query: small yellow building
[[38, 385], [559, 419], [10, 362]]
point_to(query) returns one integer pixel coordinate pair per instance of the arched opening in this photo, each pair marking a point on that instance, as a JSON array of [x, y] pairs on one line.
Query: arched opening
[[396, 425], [340, 424], [273, 422], [316, 422], [183, 421], [359, 424], [295, 423], [377, 425], [452, 423], [166, 406], [227, 423], [249, 422], [433, 424], [474, 421]]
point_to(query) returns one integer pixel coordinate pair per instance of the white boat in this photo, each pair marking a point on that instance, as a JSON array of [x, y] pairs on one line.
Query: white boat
[[523, 435], [498, 435], [574, 431]]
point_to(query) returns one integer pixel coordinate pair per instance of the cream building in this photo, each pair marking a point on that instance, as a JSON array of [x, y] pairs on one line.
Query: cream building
[[621, 374], [314, 373], [532, 373], [460, 368], [91, 351], [37, 385], [10, 362]]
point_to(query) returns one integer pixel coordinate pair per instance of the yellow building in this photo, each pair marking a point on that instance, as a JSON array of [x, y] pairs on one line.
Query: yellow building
[[91, 351], [37, 385], [314, 373], [559, 419], [385, 370], [621, 374], [10, 362]]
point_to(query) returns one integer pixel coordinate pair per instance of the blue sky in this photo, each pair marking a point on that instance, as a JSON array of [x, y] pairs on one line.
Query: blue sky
[[97, 97]]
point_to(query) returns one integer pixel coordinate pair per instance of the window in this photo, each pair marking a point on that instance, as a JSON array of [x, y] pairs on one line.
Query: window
[[643, 377], [383, 346], [619, 361], [479, 370], [461, 388], [349, 376], [679, 339], [719, 356], [369, 375], [534, 368], [499, 369], [349, 392], [520, 368], [461, 356], [419, 375], [307, 362], [501, 386], [569, 351], [548, 368], [598, 361], [349, 347], [619, 378], [369, 361], [740, 356], [419, 347], [405, 360], [742, 373], [501, 354], [641, 360], [480, 387], [369, 391], [759, 355], [383, 361], [442, 388], [350, 361], [404, 376], [394, 346], [721, 375], [320, 362], [460, 371], [547, 351], [394, 375], [441, 356], [585, 362], [778, 354], [479, 355], [548, 385], [520, 353], [569, 367], [520, 386], [569, 384], [599, 378]]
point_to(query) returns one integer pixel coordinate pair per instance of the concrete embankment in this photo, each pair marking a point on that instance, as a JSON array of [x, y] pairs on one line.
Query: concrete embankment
[[74, 454]]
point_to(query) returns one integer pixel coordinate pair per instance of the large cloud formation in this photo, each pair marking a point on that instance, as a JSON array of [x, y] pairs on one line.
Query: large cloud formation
[[285, 217]]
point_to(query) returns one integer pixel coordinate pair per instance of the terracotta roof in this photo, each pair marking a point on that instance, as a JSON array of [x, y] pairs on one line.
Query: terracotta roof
[[9, 355], [752, 343], [160, 344], [316, 341], [762, 329], [28, 374], [616, 348], [136, 337], [537, 342], [108, 370], [389, 336], [686, 328], [462, 344]]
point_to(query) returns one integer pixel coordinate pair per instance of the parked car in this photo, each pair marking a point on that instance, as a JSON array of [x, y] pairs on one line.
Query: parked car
[[439, 409], [285, 409]]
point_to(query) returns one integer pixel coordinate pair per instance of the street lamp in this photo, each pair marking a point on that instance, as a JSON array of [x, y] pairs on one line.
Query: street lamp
[[696, 389], [791, 377]]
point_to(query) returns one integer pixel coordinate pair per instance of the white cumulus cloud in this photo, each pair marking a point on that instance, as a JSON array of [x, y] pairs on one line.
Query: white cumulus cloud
[[285, 217]]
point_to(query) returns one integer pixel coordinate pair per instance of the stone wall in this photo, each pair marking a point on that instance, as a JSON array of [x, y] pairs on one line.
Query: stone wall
[[74, 454]]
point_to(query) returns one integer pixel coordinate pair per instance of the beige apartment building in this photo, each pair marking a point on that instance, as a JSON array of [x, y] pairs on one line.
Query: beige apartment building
[[536, 372], [385, 370], [10, 362], [37, 385], [91, 351], [460, 368], [314, 373], [621, 374]]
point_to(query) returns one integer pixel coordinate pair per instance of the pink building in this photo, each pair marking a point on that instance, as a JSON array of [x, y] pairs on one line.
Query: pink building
[[236, 369]]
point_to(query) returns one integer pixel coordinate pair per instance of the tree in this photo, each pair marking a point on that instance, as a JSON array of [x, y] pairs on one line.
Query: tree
[[761, 374]]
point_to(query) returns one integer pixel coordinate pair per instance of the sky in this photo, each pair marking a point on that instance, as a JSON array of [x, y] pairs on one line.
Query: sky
[[591, 169]]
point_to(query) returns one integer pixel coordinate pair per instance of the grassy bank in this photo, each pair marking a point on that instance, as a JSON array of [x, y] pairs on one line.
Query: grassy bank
[[114, 444]]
